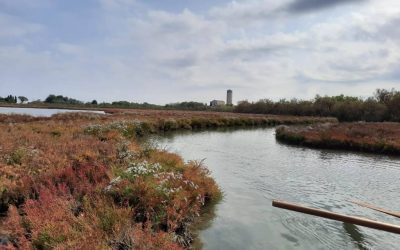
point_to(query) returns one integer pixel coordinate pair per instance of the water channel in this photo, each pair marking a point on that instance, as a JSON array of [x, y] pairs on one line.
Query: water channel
[[252, 168], [42, 112]]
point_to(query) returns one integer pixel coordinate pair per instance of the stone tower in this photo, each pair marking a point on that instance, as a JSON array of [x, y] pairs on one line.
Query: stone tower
[[229, 97]]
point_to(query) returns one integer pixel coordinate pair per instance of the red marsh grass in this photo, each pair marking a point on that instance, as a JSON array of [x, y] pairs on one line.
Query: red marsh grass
[[369, 137], [81, 180], [64, 186]]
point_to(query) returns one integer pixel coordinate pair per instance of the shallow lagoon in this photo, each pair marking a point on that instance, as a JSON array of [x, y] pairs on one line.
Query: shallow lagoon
[[41, 112]]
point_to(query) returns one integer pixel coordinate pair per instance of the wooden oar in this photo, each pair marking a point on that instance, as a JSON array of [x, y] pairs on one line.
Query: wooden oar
[[382, 210], [339, 217]]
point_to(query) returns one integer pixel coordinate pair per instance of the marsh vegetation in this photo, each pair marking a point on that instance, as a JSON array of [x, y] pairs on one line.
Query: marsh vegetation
[[369, 137], [82, 179]]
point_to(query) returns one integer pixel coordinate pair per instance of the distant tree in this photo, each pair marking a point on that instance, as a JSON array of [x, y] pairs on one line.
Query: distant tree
[[324, 105], [94, 102], [50, 99], [59, 99], [126, 104], [9, 99], [187, 105], [383, 106], [374, 111], [394, 106], [22, 99], [121, 103], [38, 101], [384, 95]]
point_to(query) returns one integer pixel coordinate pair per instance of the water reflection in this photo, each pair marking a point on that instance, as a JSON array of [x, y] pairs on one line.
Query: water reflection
[[325, 155], [203, 222], [42, 112], [355, 233], [291, 238]]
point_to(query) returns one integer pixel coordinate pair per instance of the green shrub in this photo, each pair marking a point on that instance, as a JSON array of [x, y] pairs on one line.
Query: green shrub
[[170, 124], [16, 157]]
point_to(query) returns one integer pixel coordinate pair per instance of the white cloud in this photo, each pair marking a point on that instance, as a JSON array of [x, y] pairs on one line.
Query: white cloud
[[252, 10], [117, 4], [159, 56], [206, 51], [13, 27], [24, 4], [68, 48]]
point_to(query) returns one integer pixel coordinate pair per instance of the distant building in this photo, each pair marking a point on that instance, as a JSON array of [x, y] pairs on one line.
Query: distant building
[[229, 97], [216, 103]]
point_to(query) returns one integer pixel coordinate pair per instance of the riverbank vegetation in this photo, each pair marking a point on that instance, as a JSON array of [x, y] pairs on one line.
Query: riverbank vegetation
[[383, 106], [166, 120], [368, 137], [68, 183], [82, 179]]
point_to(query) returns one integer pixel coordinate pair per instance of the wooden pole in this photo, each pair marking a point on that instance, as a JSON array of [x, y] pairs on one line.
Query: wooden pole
[[339, 217], [382, 210]]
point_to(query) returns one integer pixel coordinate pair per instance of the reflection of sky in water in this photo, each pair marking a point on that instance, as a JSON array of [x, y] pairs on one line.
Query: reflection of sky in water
[[41, 112], [252, 169]]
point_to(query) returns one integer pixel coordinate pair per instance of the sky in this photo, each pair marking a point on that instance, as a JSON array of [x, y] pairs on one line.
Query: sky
[[164, 51]]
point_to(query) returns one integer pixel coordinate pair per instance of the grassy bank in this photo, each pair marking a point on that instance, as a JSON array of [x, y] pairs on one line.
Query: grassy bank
[[383, 138], [182, 119], [78, 180]]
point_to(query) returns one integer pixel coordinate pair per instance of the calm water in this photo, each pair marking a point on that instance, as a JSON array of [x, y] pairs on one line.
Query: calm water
[[253, 168], [41, 112]]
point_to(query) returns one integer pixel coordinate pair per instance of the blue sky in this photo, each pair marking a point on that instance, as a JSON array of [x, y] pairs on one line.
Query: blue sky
[[169, 50]]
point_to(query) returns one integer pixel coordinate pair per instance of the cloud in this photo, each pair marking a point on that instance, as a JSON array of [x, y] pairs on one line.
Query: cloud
[[196, 51], [257, 47], [301, 6], [68, 48], [181, 61], [19, 5], [13, 27], [262, 10], [248, 11], [117, 4]]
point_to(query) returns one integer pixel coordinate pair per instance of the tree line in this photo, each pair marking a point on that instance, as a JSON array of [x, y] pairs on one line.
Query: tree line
[[384, 105], [64, 100], [187, 106], [13, 99], [60, 99]]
